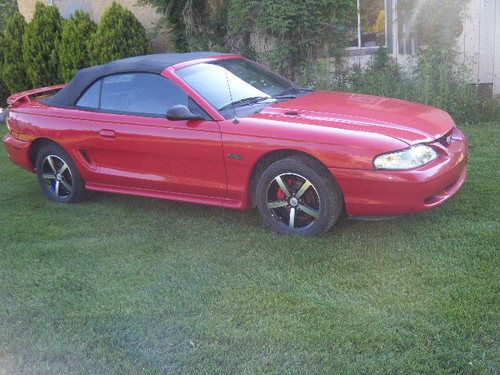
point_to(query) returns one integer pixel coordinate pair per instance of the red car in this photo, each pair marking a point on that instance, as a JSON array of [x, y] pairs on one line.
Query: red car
[[221, 130]]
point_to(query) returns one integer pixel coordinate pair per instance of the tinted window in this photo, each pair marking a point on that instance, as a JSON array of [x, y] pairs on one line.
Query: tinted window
[[141, 93], [90, 99]]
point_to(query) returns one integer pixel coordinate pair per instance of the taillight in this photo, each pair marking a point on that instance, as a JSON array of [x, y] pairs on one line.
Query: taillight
[[8, 125], [7, 120]]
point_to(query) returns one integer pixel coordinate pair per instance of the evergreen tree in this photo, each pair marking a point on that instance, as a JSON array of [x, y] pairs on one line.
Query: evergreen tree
[[13, 69], [3, 90], [7, 8], [74, 50], [119, 35], [41, 46]]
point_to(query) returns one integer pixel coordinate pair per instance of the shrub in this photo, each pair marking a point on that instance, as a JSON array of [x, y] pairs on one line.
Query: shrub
[[3, 96], [74, 51], [119, 35], [7, 8], [41, 46], [297, 32], [194, 24], [433, 78], [292, 32], [13, 69], [3, 90]]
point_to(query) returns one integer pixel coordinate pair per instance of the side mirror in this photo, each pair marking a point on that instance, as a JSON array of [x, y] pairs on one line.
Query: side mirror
[[181, 112]]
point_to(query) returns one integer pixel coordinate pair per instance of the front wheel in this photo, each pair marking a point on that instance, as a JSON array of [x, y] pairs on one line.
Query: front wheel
[[298, 196], [58, 176]]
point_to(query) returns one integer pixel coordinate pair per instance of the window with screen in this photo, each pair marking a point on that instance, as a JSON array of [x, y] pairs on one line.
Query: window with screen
[[368, 28]]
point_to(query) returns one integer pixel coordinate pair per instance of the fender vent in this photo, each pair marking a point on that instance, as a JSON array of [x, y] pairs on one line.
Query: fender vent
[[85, 156]]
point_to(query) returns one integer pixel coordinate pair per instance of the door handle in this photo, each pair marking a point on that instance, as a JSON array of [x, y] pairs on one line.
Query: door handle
[[105, 133]]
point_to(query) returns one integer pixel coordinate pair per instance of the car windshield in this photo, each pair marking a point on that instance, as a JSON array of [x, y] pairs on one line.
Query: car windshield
[[235, 82]]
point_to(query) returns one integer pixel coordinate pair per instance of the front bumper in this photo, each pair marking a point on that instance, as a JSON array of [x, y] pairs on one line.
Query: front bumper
[[383, 192], [18, 152]]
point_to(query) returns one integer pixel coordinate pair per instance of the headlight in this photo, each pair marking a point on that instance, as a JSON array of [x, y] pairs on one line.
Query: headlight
[[406, 159]]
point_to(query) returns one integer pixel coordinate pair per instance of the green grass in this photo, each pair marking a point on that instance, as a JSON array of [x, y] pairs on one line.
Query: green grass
[[130, 285]]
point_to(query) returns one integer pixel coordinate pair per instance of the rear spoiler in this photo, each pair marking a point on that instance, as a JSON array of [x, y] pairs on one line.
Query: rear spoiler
[[25, 95]]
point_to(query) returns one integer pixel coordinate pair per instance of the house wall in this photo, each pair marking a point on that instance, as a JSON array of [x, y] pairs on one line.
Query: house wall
[[145, 14], [496, 58], [479, 44]]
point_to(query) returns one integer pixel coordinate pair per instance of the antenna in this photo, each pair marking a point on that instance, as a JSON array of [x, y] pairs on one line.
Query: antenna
[[235, 121]]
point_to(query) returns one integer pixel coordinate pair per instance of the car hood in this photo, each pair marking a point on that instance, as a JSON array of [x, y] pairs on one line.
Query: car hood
[[409, 122]]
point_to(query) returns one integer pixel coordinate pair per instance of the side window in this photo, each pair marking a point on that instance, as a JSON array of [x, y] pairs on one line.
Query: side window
[[90, 99], [141, 93]]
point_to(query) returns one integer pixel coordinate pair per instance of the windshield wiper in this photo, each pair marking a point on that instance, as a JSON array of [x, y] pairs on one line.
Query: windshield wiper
[[285, 96], [291, 93], [245, 101]]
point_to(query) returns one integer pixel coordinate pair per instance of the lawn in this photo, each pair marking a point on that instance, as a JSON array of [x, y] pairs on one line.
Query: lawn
[[131, 285]]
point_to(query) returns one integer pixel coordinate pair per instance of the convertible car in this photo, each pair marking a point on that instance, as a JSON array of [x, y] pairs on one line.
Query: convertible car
[[221, 130]]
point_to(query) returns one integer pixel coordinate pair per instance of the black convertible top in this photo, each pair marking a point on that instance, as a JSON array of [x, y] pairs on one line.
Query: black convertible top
[[68, 96]]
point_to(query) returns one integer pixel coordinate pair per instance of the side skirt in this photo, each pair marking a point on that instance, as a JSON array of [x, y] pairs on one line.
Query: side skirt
[[197, 199]]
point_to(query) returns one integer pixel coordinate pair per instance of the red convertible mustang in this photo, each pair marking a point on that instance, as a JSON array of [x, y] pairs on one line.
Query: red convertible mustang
[[221, 130]]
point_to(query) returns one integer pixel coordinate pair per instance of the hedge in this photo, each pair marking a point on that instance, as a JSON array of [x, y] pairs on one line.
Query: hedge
[[119, 35], [74, 52], [41, 43], [13, 68]]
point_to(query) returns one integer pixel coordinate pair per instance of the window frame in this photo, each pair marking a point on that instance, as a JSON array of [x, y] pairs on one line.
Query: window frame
[[387, 35], [140, 114]]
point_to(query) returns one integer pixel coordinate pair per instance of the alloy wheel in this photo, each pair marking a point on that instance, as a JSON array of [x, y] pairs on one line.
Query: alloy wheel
[[57, 175], [293, 200]]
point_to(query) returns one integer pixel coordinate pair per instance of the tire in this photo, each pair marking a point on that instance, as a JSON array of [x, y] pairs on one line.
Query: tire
[[58, 176], [298, 196]]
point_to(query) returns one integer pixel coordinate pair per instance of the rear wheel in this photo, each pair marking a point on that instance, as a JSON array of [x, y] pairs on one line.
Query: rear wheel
[[298, 196], [58, 176]]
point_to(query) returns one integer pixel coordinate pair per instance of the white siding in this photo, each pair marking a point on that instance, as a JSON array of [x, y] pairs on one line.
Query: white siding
[[496, 57], [479, 43], [486, 38], [469, 40]]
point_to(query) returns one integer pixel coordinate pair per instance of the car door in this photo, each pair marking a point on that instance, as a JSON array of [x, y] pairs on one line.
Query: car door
[[137, 147]]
